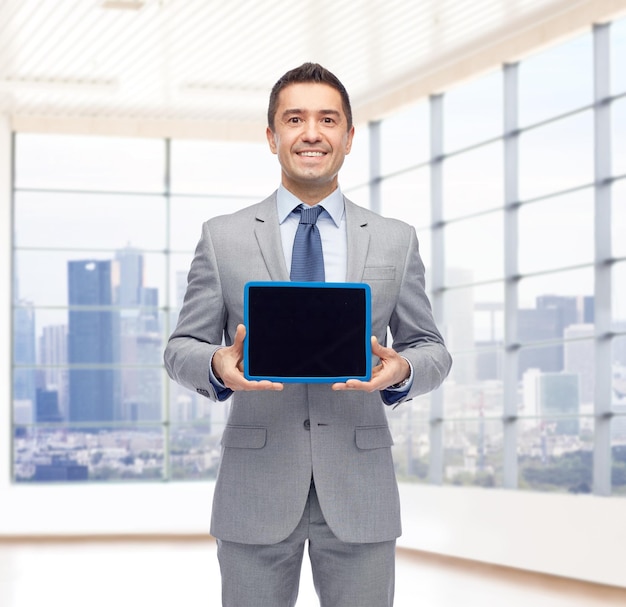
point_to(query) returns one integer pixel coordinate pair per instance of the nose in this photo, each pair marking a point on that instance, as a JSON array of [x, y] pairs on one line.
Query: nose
[[311, 131]]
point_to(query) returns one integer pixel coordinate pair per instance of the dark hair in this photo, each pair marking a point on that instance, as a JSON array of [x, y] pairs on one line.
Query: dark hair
[[308, 72]]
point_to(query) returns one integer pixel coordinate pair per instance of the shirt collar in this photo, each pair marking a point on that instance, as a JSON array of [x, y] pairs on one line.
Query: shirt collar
[[333, 204]]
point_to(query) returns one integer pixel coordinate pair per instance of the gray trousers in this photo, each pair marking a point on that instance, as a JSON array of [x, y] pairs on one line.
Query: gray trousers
[[344, 575]]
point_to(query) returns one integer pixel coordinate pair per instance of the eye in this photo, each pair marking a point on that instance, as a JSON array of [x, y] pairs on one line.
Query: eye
[[328, 120], [294, 120]]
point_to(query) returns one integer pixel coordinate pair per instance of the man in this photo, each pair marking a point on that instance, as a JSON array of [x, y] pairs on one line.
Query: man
[[307, 462]]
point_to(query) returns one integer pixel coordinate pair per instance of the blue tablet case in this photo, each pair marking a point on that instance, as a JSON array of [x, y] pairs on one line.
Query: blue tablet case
[[307, 332]]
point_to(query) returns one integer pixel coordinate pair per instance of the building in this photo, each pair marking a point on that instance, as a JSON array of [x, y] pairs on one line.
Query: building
[[93, 342]]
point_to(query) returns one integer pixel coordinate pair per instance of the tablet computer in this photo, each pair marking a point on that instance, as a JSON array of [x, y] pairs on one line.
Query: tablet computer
[[307, 331]]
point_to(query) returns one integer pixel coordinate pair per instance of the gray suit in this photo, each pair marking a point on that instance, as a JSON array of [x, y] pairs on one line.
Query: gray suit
[[276, 441]]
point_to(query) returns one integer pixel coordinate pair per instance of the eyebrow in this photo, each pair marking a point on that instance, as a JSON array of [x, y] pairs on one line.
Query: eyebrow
[[297, 111]]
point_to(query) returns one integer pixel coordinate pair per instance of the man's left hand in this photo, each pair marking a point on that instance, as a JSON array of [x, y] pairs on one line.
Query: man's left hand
[[392, 369]]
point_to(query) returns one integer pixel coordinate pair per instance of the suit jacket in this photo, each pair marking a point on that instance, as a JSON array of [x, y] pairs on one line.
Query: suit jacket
[[274, 442]]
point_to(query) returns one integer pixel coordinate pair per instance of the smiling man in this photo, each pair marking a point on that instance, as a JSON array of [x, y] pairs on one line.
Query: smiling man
[[307, 463]]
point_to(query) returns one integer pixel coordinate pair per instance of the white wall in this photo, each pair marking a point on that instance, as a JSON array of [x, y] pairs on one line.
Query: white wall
[[577, 536], [582, 537]]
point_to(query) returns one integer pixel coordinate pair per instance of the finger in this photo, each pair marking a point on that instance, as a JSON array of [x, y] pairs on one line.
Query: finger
[[240, 336], [377, 349]]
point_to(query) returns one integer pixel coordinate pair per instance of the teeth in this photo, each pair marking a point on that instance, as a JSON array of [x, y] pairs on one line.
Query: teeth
[[311, 153]]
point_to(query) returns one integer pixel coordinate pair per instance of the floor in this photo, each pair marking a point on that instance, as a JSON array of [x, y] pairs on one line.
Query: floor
[[183, 571]]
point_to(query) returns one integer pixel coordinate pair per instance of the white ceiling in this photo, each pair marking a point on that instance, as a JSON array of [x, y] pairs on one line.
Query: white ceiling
[[198, 66]]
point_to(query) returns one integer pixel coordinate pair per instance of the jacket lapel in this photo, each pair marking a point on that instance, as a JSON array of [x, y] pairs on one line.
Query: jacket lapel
[[267, 233], [358, 241]]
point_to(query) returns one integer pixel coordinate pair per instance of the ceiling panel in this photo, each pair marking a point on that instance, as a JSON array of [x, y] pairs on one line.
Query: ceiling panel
[[214, 61]]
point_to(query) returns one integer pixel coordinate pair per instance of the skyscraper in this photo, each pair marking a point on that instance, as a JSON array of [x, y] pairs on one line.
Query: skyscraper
[[24, 357], [53, 357], [93, 341]]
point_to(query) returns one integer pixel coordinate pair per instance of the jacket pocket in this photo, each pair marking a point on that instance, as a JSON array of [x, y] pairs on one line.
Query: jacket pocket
[[379, 273], [373, 437], [244, 437]]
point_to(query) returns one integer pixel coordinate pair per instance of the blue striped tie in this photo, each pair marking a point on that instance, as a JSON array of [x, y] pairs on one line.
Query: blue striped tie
[[307, 259]]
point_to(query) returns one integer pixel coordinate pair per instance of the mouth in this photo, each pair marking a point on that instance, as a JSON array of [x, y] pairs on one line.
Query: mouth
[[308, 154]]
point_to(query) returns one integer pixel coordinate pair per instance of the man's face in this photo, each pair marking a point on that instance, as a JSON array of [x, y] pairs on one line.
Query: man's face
[[311, 139]]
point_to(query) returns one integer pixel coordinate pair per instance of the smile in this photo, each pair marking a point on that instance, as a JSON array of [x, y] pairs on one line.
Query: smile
[[312, 154]]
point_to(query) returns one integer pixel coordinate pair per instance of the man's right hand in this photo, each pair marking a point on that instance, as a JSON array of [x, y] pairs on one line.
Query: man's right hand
[[227, 365]]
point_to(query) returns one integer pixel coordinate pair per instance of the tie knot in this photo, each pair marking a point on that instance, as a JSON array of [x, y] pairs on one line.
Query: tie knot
[[308, 214]]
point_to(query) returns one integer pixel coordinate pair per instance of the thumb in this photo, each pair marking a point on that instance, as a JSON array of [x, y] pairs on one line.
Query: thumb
[[377, 349], [240, 336]]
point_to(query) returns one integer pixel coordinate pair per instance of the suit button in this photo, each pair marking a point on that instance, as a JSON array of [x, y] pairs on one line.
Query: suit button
[[307, 424]]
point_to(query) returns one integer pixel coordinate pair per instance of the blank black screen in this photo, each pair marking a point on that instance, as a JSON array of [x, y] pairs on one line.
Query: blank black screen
[[307, 332]]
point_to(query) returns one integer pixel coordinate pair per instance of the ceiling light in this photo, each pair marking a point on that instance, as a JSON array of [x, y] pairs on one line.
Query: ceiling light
[[123, 5]]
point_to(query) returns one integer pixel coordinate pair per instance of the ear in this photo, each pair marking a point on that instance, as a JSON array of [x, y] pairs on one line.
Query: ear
[[349, 139], [271, 139]]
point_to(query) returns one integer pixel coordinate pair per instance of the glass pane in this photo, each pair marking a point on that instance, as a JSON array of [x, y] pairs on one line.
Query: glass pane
[[618, 135], [89, 163], [195, 450], [474, 249], [567, 292], [474, 387], [89, 395], [556, 80], [179, 269], [188, 215], [224, 167], [556, 232], [618, 292], [188, 406], [618, 52], [360, 196], [474, 316], [579, 360], [473, 181], [355, 171], [557, 156], [619, 373], [405, 139], [75, 454], [473, 112], [52, 219], [618, 451], [618, 218], [137, 333], [407, 197], [556, 453], [472, 453], [124, 277]]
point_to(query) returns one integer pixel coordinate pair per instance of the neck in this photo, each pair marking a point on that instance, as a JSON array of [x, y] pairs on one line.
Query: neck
[[311, 195]]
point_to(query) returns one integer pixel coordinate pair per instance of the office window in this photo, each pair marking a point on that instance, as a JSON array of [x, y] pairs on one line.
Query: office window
[[407, 196], [571, 216], [557, 156], [473, 112], [473, 250], [519, 275], [213, 167], [472, 453], [556, 81], [79, 163], [397, 152], [105, 230], [473, 181]]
